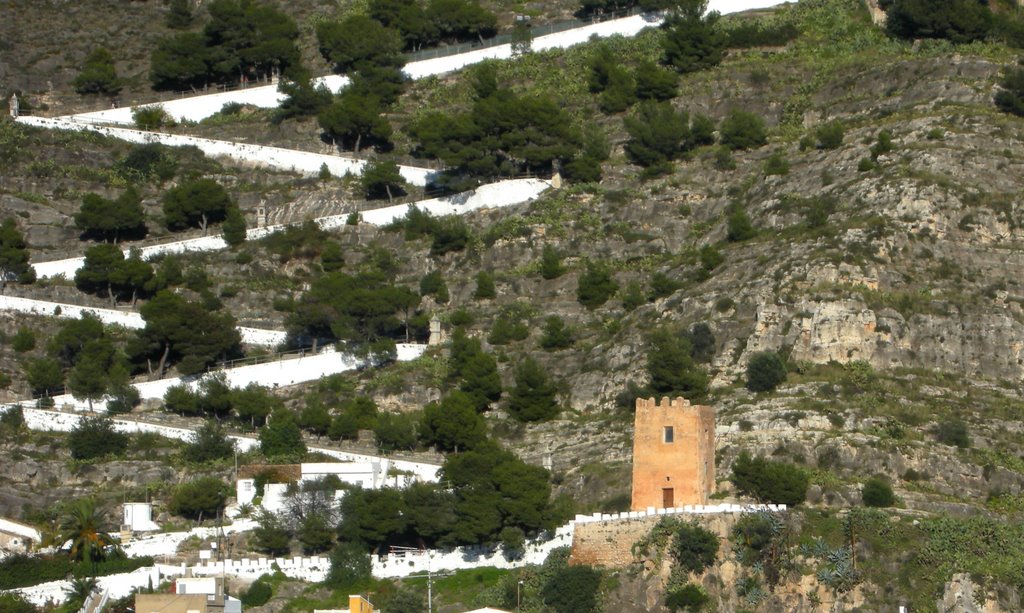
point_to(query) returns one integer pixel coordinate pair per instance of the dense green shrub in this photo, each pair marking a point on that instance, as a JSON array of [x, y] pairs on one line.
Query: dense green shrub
[[692, 41], [690, 597], [95, 437], [693, 548], [1009, 97], [259, 593], [23, 340], [433, 284], [671, 366], [551, 263], [596, 285], [16, 603], [877, 493], [882, 145], [573, 589], [21, 570], [152, 117], [960, 21], [752, 534], [742, 130], [556, 335], [739, 227], [485, 289], [768, 481], [953, 431], [830, 135], [534, 397], [765, 371], [760, 34], [198, 499], [776, 164]]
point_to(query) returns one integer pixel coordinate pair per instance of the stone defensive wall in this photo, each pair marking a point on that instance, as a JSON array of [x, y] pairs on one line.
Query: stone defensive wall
[[607, 539]]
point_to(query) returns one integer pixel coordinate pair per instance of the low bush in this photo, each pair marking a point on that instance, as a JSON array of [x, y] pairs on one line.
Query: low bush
[[755, 34], [765, 371], [877, 493], [768, 481], [830, 135], [259, 593], [953, 431]]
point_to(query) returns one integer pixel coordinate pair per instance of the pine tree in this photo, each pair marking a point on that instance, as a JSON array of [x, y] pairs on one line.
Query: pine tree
[[234, 227], [534, 398]]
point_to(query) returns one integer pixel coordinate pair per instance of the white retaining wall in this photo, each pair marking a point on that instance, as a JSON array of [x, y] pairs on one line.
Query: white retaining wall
[[128, 319], [39, 419], [394, 565], [199, 107], [492, 195], [281, 372], [303, 162]]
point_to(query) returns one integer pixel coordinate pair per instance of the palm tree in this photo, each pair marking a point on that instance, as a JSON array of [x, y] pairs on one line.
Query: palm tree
[[81, 588], [82, 525]]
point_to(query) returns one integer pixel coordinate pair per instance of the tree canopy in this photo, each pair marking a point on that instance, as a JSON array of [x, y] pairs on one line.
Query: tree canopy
[[355, 119], [361, 309], [692, 42], [358, 42], [534, 397], [14, 255], [111, 220], [195, 203], [243, 40], [503, 134], [961, 21], [98, 74], [180, 331]]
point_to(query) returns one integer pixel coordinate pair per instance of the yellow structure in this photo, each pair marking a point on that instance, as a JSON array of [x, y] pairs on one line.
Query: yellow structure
[[358, 604], [673, 453]]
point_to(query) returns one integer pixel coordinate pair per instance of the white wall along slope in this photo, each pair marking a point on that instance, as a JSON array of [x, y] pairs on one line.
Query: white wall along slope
[[196, 108]]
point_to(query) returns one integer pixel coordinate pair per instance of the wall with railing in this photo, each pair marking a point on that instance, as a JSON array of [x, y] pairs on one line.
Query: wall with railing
[[493, 195], [128, 319], [303, 162], [279, 373]]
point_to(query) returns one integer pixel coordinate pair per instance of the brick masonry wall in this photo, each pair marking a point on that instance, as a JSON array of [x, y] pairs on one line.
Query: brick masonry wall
[[609, 544]]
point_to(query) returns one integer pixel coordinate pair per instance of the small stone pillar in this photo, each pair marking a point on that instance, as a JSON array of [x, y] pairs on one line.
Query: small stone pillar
[[436, 332], [556, 180], [261, 216], [14, 106]]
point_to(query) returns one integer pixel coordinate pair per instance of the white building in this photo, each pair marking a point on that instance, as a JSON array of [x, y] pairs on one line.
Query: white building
[[16, 537], [138, 517]]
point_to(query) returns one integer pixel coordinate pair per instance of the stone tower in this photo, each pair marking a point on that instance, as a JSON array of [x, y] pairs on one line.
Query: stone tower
[[673, 453]]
